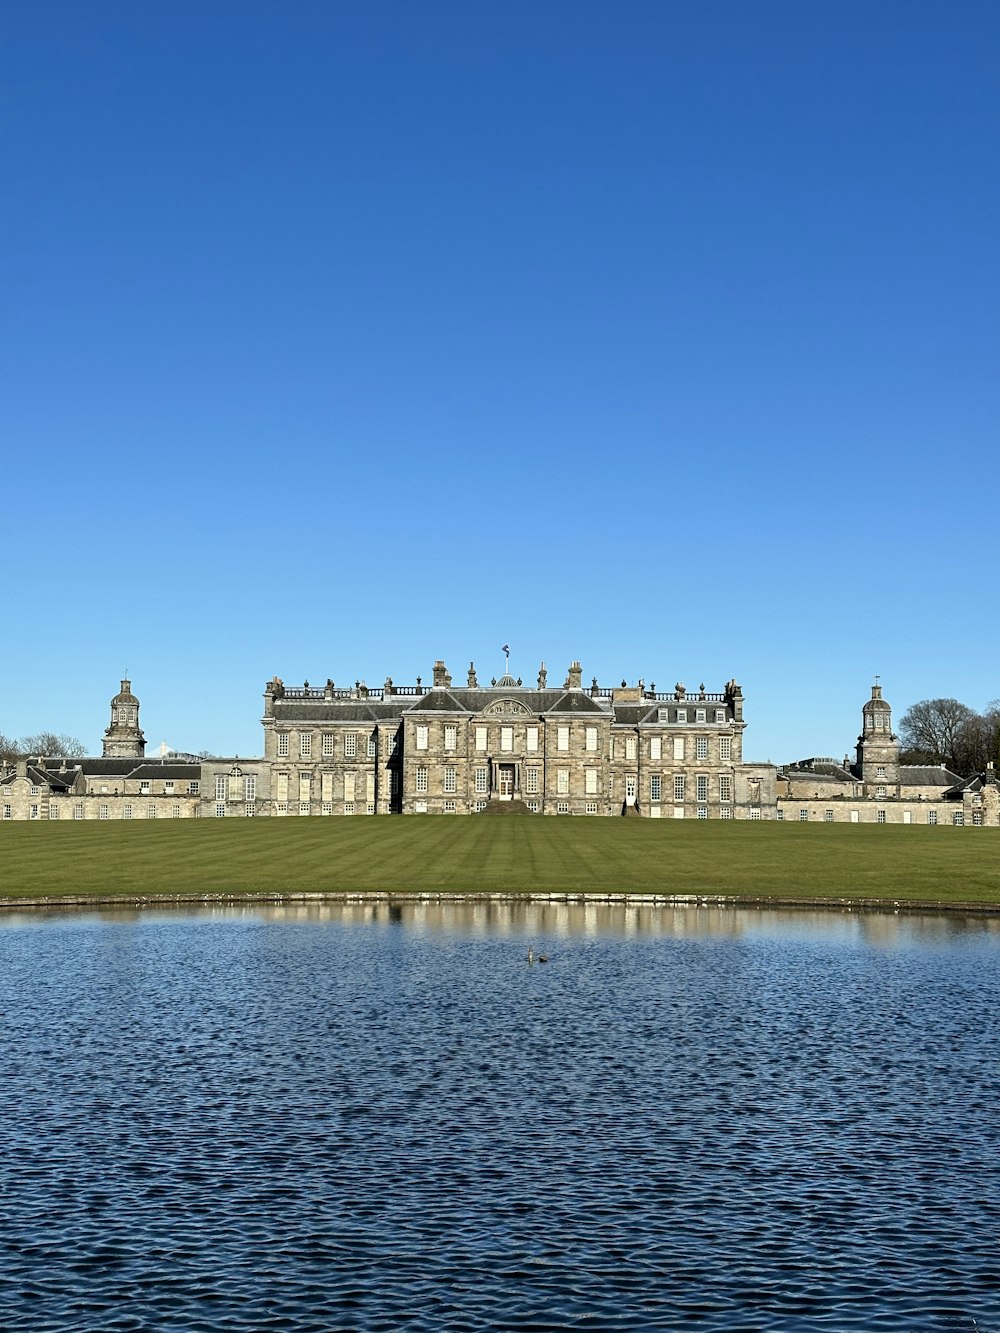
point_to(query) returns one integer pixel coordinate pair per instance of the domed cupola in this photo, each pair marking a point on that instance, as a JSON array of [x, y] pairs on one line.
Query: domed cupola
[[124, 738], [878, 749], [876, 716]]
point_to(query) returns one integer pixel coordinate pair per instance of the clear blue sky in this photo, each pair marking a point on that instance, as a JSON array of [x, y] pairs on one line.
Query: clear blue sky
[[337, 338]]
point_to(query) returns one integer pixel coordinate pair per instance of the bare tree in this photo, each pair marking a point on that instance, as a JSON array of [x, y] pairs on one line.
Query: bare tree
[[933, 732], [50, 743], [9, 747]]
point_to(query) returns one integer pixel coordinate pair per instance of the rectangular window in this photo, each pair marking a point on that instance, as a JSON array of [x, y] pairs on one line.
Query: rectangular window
[[305, 745], [421, 779], [726, 749], [144, 788], [175, 813], [481, 783], [349, 807], [701, 747], [562, 807], [977, 818], [958, 817], [482, 739], [304, 807], [630, 748], [701, 787], [481, 806], [7, 811], [562, 738], [678, 749], [327, 744], [78, 810], [562, 781], [726, 812], [449, 807], [422, 737], [351, 744], [531, 781], [349, 785], [700, 715], [533, 807], [725, 787], [828, 816], [932, 816], [591, 807], [720, 715], [126, 813], [682, 716], [54, 812], [531, 744], [654, 787], [221, 788], [506, 740], [282, 744], [702, 812], [194, 788], [656, 747], [880, 793], [327, 808], [450, 736], [678, 786], [755, 812], [150, 811], [371, 745], [803, 814], [880, 770], [168, 789], [251, 789], [880, 816], [590, 782], [220, 810], [591, 740], [451, 779]]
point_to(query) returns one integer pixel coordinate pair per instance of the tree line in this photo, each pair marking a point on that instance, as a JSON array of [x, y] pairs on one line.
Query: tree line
[[945, 731], [42, 743]]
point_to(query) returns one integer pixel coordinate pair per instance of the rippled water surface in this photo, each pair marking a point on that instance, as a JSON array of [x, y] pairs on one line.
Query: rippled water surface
[[326, 1119]]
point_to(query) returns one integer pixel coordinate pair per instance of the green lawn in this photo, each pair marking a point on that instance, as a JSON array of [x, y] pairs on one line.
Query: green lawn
[[432, 854]]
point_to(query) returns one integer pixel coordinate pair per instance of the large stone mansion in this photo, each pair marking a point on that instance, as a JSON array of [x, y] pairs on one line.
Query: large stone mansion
[[442, 748]]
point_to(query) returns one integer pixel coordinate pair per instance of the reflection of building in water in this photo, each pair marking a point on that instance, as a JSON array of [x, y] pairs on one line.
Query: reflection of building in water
[[504, 746]]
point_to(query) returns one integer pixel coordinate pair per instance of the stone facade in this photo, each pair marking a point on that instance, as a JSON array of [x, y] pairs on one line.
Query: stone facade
[[442, 748]]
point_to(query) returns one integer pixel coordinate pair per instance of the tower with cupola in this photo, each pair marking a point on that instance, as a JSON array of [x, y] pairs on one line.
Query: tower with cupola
[[878, 749], [123, 738]]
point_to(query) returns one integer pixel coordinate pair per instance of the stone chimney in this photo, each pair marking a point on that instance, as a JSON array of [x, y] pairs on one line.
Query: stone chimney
[[441, 677], [473, 682], [543, 676], [574, 681]]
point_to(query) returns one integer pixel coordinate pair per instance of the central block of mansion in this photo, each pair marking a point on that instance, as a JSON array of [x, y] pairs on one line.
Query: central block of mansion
[[559, 749], [566, 749]]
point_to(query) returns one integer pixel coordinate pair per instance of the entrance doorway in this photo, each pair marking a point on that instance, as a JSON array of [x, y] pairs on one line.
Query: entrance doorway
[[630, 784], [506, 782]]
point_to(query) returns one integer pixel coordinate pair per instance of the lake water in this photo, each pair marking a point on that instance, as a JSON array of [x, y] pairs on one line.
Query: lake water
[[316, 1119]]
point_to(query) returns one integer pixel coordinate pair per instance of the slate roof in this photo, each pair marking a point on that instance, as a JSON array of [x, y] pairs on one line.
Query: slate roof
[[932, 775], [340, 710]]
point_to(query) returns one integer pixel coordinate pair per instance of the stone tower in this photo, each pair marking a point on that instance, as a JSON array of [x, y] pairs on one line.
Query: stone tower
[[878, 748], [124, 738]]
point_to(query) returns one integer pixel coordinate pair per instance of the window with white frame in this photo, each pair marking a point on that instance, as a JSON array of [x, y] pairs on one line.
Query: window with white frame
[[726, 749], [701, 787], [250, 793], [282, 744], [803, 815], [481, 806], [755, 812], [220, 810], [562, 738], [421, 737], [678, 749], [977, 818], [630, 748], [305, 787], [144, 787], [304, 807], [168, 789], [720, 715], [654, 786], [703, 812], [531, 781], [449, 807], [351, 744], [53, 811], [590, 742], [590, 782], [958, 817], [451, 779], [678, 786], [591, 807], [350, 783], [150, 811], [700, 715], [879, 816], [194, 788], [725, 787], [221, 788], [531, 740], [450, 736], [506, 740], [8, 811], [371, 744], [726, 812], [482, 777], [305, 745], [880, 770], [175, 812], [932, 816], [78, 810], [482, 739], [421, 783], [533, 807], [880, 793], [327, 808], [327, 744], [349, 807], [682, 716], [562, 807], [701, 747], [656, 747], [562, 781]]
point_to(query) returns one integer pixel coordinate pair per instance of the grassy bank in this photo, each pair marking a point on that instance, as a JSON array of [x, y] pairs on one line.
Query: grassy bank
[[911, 864]]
